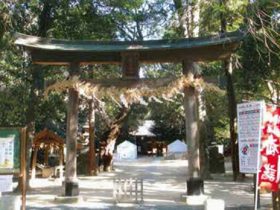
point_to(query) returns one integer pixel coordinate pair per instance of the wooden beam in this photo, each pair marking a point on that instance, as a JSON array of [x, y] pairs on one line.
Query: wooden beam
[[203, 53], [63, 58]]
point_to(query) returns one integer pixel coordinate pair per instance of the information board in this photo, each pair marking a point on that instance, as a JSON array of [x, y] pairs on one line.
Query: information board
[[249, 121], [9, 150], [6, 183]]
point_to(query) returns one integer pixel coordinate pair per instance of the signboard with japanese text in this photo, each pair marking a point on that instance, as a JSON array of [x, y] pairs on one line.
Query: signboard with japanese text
[[9, 150], [249, 119], [269, 174], [13, 159]]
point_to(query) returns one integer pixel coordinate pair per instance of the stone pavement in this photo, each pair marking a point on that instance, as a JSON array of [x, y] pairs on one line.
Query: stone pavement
[[164, 183]]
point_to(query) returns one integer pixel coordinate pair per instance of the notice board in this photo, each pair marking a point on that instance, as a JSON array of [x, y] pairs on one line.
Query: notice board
[[10, 152], [249, 121]]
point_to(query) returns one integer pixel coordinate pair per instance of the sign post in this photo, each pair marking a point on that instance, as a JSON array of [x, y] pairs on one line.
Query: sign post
[[250, 118], [23, 167]]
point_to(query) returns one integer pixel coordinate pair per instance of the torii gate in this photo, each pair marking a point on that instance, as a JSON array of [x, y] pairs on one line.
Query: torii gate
[[129, 55]]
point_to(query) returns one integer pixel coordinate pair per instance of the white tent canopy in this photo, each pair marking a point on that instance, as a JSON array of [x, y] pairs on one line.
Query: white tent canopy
[[176, 150], [177, 146], [126, 150]]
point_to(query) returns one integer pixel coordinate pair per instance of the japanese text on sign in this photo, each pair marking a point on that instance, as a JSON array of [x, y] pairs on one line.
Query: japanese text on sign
[[249, 134]]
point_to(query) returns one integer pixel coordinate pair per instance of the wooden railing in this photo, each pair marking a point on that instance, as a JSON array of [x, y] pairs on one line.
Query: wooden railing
[[128, 190]]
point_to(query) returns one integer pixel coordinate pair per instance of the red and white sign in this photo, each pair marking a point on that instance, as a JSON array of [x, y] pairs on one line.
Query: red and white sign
[[269, 174]]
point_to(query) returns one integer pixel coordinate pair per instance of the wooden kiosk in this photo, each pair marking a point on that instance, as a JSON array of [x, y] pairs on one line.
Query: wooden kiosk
[[49, 142]]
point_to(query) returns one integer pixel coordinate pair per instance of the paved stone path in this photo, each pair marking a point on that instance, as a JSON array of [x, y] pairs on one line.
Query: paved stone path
[[164, 183]]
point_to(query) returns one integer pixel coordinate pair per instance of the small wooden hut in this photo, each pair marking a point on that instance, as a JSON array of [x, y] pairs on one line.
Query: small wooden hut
[[50, 143]]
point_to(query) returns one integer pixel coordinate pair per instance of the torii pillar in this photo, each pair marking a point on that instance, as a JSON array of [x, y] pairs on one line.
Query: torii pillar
[[194, 181], [71, 182]]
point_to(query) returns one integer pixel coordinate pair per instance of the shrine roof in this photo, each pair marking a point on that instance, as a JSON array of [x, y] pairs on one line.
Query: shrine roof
[[47, 137]]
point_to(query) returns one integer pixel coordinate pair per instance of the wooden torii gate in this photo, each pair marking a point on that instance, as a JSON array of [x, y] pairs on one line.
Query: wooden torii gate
[[129, 55]]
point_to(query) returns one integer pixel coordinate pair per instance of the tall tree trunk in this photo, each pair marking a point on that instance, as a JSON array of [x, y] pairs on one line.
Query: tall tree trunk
[[188, 17], [30, 122], [4, 19], [91, 153], [37, 78], [227, 66], [205, 134], [107, 149]]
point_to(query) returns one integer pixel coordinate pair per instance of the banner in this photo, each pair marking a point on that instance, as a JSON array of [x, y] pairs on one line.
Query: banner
[[249, 119], [269, 173]]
